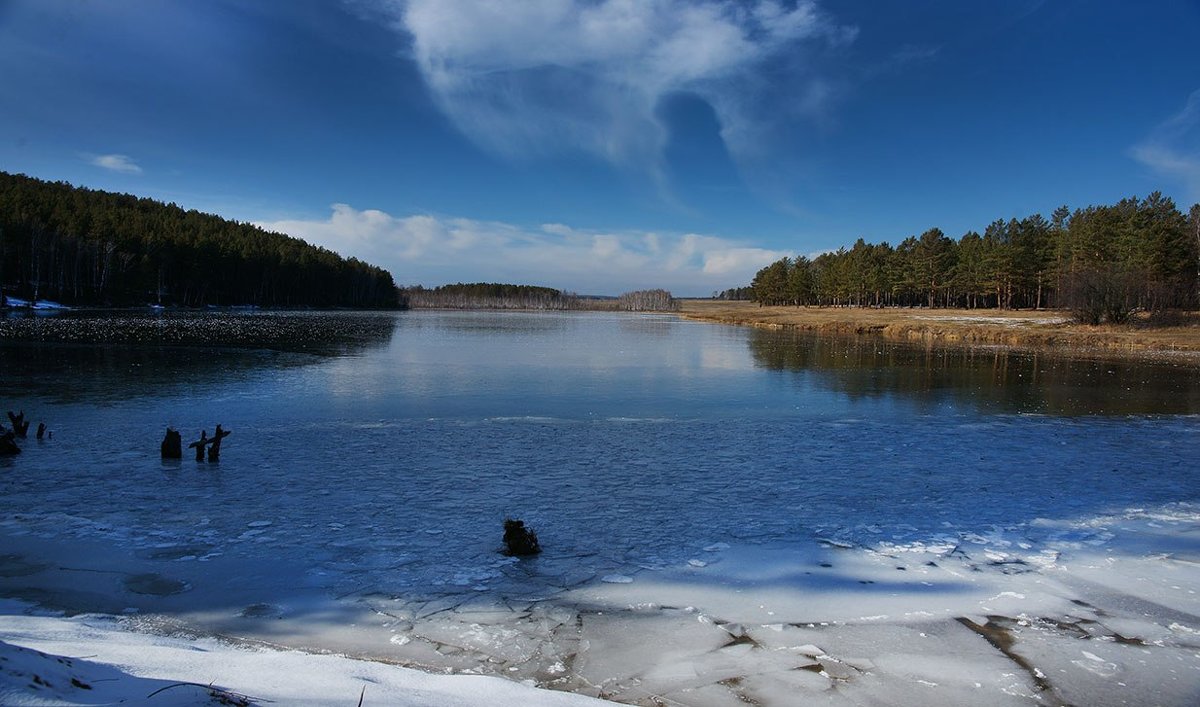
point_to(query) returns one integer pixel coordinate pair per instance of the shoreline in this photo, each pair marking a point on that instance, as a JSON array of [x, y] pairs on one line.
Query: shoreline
[[1078, 610], [1041, 330]]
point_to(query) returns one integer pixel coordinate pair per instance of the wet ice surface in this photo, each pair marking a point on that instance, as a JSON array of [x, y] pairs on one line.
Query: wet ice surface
[[715, 530]]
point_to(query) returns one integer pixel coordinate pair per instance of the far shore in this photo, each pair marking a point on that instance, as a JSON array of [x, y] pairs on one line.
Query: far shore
[[1050, 330]]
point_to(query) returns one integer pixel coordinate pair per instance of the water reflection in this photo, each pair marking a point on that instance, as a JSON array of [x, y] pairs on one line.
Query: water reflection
[[101, 356], [491, 324], [990, 379], [623, 449], [660, 326]]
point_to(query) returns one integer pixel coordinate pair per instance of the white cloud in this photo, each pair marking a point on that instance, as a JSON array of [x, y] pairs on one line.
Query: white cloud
[[540, 77], [117, 163], [1173, 148], [432, 251]]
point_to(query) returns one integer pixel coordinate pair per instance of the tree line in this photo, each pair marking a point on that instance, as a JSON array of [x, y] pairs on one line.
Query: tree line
[[1103, 263], [492, 295], [87, 247], [489, 295], [658, 300], [735, 293]]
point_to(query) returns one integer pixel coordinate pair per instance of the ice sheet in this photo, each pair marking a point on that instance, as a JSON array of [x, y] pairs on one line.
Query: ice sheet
[[1098, 610]]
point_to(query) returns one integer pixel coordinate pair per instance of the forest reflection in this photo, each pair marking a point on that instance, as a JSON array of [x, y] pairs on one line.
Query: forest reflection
[[990, 379], [102, 356]]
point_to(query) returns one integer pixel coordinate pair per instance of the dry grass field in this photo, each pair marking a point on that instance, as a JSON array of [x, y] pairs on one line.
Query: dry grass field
[[1021, 329]]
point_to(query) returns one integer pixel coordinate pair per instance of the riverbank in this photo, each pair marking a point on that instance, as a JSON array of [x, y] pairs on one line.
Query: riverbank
[[96, 659], [1044, 329], [1088, 610]]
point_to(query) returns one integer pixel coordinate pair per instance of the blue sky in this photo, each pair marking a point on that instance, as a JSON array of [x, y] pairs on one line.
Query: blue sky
[[605, 145]]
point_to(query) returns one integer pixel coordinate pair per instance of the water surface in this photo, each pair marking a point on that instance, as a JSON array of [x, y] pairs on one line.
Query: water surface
[[388, 463]]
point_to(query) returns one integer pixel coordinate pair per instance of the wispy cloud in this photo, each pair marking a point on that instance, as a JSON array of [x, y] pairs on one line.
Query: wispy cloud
[[431, 250], [1173, 148], [910, 53], [541, 77], [116, 163]]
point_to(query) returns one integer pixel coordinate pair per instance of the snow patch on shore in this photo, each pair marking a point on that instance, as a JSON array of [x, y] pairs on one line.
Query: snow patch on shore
[[40, 664], [41, 305], [1092, 610]]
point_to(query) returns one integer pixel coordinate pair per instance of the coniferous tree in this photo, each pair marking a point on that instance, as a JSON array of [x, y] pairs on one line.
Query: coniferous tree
[[81, 246], [1103, 263]]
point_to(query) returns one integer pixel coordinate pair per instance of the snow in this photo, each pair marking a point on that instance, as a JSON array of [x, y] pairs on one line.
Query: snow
[[95, 660], [1096, 609], [41, 305], [916, 640], [1002, 321], [1109, 616]]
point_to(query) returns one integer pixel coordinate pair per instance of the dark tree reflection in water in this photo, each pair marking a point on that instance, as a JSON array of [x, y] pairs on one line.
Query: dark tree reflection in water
[[990, 379]]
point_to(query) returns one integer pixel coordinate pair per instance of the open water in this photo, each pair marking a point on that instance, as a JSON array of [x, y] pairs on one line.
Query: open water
[[386, 463]]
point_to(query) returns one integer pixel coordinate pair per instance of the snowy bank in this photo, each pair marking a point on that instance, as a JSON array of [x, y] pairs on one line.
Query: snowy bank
[[1101, 610], [91, 660], [39, 305]]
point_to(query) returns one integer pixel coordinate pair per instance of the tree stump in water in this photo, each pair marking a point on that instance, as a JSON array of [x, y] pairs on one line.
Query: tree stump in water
[[172, 444], [519, 540], [214, 446], [20, 425], [8, 445], [199, 445], [213, 443]]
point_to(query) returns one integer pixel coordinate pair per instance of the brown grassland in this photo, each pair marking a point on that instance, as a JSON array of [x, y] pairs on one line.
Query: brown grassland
[[1043, 329]]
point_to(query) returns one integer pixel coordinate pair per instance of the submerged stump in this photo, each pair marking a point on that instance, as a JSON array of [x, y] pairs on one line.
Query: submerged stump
[[213, 443], [518, 540], [198, 445], [172, 444], [8, 445], [214, 446], [19, 423]]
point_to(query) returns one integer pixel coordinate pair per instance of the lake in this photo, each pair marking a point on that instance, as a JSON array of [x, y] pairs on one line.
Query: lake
[[380, 468]]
